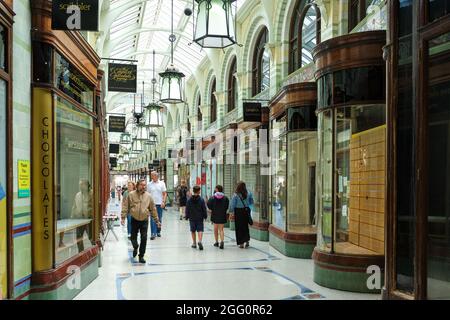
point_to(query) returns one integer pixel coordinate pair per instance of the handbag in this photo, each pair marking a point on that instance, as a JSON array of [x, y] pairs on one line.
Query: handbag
[[248, 211]]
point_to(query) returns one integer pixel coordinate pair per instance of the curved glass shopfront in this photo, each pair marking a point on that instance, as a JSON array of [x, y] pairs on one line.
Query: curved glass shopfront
[[294, 161], [351, 160], [293, 184]]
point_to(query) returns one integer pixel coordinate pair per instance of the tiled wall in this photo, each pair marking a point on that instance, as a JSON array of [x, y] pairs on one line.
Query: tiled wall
[[21, 143]]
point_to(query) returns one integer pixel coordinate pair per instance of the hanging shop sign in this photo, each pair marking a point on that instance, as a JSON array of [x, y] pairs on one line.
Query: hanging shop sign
[[156, 163], [122, 77], [80, 15], [252, 111], [23, 172], [114, 148], [73, 83], [116, 124], [113, 162]]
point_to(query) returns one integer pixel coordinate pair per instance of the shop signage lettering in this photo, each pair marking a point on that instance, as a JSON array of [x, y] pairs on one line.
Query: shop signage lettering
[[72, 83], [75, 15], [122, 77], [116, 124], [252, 112], [113, 162], [45, 173], [114, 148], [23, 172]]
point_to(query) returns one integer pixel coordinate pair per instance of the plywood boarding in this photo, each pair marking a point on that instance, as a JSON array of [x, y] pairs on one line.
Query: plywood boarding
[[367, 195]]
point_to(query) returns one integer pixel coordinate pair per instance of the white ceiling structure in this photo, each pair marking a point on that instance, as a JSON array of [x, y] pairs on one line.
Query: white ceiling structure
[[132, 29]]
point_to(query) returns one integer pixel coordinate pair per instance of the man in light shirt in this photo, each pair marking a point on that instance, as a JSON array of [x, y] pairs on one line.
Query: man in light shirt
[[158, 191]]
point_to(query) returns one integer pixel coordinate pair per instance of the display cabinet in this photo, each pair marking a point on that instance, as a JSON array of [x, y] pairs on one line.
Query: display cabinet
[[294, 159], [351, 172]]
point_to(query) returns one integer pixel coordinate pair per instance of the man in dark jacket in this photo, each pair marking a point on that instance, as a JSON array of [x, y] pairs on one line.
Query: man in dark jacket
[[196, 214]]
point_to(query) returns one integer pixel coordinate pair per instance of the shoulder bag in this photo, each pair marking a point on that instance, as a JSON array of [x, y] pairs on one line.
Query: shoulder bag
[[248, 211]]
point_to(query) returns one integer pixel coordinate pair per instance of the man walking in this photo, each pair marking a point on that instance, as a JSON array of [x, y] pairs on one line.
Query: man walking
[[158, 191], [139, 204]]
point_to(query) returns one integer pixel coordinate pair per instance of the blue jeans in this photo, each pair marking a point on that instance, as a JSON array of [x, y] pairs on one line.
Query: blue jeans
[[154, 227], [129, 223]]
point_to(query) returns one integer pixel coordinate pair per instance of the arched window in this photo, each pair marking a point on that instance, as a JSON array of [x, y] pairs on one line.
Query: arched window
[[213, 114], [357, 11], [261, 63], [232, 86], [304, 34], [199, 112]]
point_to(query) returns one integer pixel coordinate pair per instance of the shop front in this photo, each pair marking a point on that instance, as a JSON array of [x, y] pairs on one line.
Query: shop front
[[351, 171], [418, 219], [6, 248], [294, 150], [65, 139], [253, 173]]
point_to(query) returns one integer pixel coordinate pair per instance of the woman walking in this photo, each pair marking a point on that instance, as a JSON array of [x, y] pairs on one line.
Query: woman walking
[[241, 202], [131, 187], [182, 195], [218, 204]]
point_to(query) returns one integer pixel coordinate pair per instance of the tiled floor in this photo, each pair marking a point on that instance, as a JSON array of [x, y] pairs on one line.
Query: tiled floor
[[175, 271]]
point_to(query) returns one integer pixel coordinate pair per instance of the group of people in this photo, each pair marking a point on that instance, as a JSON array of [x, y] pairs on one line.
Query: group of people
[[194, 208], [141, 201]]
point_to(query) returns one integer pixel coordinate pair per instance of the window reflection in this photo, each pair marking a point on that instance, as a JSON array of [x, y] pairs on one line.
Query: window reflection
[[438, 248], [74, 181]]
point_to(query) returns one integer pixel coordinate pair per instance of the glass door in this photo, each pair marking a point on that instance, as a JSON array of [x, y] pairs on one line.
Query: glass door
[[438, 140]]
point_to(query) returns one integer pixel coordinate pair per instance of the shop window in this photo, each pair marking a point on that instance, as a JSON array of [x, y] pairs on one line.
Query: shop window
[[357, 11], [232, 86], [261, 63], [406, 218], [438, 153], [3, 188], [438, 9], [359, 84], [74, 181], [279, 181], [325, 180], [359, 180], [213, 100], [73, 83], [302, 152]]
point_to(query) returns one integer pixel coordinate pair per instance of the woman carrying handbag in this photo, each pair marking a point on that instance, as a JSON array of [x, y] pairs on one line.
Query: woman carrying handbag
[[240, 207]]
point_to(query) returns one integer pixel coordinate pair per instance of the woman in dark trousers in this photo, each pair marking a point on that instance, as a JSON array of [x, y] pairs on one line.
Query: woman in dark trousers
[[241, 199], [218, 204]]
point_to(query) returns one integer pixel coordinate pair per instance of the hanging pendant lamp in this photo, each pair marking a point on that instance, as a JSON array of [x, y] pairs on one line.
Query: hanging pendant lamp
[[154, 118], [172, 80], [215, 24]]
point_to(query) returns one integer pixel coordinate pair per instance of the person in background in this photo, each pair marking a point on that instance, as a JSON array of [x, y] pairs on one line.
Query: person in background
[[182, 194], [131, 187], [82, 209], [158, 191], [196, 214], [140, 205], [242, 199], [218, 204]]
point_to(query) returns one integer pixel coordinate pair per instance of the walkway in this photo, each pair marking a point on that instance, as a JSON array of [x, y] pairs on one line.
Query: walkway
[[174, 271]]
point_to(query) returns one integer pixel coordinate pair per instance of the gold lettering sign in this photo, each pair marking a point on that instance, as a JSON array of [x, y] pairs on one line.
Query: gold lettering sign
[[42, 177], [122, 74]]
